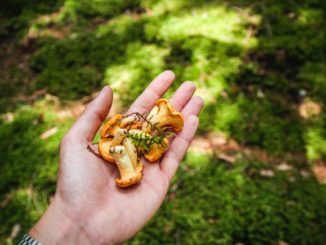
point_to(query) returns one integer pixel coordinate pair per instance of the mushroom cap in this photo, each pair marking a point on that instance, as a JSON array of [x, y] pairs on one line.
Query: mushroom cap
[[130, 122], [104, 149], [131, 181], [156, 151], [111, 126], [163, 115], [127, 172]]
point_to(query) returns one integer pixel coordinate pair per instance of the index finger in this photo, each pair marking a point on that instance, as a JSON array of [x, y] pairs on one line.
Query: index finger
[[153, 92]]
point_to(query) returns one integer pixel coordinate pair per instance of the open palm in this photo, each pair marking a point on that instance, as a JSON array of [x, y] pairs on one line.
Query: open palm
[[87, 195]]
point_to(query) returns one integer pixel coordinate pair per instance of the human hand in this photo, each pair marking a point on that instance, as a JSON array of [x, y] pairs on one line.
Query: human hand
[[88, 207]]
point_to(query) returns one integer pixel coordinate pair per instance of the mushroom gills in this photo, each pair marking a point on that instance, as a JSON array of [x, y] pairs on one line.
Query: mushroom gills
[[164, 116]]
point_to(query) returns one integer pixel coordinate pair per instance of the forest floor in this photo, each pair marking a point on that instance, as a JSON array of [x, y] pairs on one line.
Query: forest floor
[[256, 171]]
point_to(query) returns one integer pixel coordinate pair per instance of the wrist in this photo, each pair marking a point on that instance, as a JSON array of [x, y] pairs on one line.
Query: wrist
[[55, 227]]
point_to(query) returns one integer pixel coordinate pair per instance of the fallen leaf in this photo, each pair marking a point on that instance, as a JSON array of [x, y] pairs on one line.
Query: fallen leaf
[[6, 200], [220, 141], [217, 139], [309, 109], [282, 243], [227, 158], [201, 145], [319, 171], [304, 173], [9, 117], [232, 145], [267, 173], [15, 230], [260, 94], [284, 167], [48, 133]]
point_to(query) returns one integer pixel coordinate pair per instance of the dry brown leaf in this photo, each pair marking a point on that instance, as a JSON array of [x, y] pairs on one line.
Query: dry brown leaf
[[304, 173], [217, 139], [284, 167], [232, 145], [319, 171], [6, 200], [48, 133], [201, 145], [282, 243], [309, 109], [227, 158], [9, 117], [15, 230], [267, 173], [220, 141]]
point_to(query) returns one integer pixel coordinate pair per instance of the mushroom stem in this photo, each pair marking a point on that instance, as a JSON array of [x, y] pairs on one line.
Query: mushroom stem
[[118, 137], [128, 175], [132, 152]]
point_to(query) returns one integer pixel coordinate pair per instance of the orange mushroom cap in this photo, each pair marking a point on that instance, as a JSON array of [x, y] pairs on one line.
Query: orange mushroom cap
[[156, 151], [163, 115], [104, 149], [111, 126]]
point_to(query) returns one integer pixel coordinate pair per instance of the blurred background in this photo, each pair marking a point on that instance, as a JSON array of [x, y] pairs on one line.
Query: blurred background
[[255, 173]]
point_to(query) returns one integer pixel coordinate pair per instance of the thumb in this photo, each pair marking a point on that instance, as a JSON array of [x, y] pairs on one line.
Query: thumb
[[91, 119]]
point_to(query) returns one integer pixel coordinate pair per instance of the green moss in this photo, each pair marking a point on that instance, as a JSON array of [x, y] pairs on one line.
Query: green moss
[[253, 64], [103, 8], [232, 208], [316, 140]]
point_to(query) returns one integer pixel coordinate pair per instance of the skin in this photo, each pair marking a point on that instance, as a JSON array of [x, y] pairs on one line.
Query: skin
[[88, 207]]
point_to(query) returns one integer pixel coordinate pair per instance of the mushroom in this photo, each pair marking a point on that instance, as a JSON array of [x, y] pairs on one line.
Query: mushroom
[[111, 126], [163, 116], [104, 149], [120, 139], [119, 135], [128, 175], [130, 122], [156, 151]]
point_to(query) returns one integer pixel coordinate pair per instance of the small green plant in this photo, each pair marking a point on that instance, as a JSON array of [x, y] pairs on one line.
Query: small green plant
[[144, 141]]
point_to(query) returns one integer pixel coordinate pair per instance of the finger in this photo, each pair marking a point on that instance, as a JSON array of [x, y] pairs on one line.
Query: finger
[[179, 147], [193, 107], [183, 94], [153, 92], [91, 119]]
